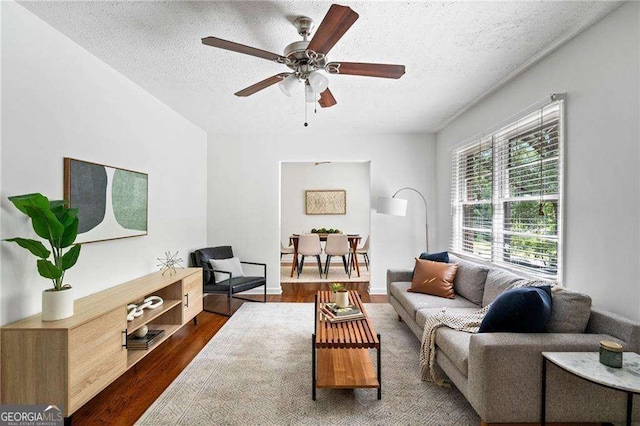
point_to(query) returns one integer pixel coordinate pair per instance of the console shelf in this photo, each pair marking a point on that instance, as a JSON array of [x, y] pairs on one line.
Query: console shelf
[[150, 315], [135, 355], [68, 362]]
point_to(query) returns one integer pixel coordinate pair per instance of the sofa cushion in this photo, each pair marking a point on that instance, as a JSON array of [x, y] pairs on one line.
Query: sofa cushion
[[422, 314], [414, 301], [519, 310], [442, 256], [434, 278], [498, 280], [570, 312], [470, 279], [455, 345]]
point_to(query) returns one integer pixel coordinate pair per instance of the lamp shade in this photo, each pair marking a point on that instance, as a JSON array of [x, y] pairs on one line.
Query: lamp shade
[[392, 206], [318, 81], [288, 84]]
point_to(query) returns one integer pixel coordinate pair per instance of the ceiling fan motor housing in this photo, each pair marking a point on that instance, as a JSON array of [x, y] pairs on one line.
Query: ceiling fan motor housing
[[296, 52]]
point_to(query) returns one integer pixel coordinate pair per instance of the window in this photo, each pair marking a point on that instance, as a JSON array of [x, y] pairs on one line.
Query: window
[[507, 193]]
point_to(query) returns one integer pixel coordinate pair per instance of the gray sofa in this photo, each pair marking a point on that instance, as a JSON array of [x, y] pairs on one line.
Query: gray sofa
[[500, 373]]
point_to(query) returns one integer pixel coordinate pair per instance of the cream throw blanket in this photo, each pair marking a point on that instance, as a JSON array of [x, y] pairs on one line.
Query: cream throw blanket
[[469, 323]]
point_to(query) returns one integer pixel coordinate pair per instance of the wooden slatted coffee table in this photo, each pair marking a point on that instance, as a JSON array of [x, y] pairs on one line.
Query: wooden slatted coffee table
[[340, 351]]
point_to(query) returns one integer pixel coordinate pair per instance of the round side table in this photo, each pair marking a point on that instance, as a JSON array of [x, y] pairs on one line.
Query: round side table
[[587, 366]]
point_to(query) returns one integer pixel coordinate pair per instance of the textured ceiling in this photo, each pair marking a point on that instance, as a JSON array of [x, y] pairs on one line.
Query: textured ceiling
[[454, 52]]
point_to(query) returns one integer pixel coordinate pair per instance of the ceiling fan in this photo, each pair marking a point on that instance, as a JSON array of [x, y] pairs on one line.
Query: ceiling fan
[[308, 57]]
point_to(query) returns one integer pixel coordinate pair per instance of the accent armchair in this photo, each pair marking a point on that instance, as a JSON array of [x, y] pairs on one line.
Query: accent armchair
[[229, 285]]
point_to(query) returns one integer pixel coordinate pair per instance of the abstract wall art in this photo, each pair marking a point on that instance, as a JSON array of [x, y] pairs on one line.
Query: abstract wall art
[[112, 203], [332, 201]]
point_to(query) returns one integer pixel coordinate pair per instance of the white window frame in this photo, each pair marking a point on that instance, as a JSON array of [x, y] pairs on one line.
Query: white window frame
[[519, 126]]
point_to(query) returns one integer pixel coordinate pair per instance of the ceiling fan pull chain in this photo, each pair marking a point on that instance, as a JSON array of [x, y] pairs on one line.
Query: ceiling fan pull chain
[[305, 114]]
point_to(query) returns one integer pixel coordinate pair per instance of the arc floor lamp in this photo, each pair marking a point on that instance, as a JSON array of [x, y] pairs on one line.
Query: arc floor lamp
[[398, 207]]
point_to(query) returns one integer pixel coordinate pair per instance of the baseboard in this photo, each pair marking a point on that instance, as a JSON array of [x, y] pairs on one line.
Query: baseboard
[[261, 291], [378, 290]]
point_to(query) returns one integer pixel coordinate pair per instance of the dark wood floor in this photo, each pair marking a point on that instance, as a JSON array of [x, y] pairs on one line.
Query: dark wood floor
[[126, 399]]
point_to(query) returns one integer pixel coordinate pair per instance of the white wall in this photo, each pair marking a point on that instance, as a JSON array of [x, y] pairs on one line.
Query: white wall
[[60, 101], [298, 177], [600, 71], [244, 186]]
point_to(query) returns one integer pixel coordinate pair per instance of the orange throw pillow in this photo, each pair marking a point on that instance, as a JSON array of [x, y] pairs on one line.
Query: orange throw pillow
[[435, 278]]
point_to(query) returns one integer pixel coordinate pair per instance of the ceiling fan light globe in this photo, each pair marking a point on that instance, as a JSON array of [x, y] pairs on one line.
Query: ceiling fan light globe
[[318, 82], [288, 85], [310, 95]]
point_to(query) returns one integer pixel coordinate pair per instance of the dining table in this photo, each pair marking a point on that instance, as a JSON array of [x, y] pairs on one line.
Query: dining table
[[354, 239]]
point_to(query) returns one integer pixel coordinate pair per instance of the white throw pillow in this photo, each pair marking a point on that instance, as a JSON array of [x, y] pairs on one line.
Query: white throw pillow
[[229, 265]]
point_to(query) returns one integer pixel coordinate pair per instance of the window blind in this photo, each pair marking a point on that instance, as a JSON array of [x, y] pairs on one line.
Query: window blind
[[506, 194]]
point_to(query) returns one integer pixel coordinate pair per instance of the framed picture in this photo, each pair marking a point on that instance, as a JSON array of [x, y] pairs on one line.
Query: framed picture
[[331, 201], [112, 202]]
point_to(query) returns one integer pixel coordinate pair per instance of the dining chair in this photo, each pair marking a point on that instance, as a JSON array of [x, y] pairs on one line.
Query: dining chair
[[364, 252], [337, 245], [309, 245], [285, 250]]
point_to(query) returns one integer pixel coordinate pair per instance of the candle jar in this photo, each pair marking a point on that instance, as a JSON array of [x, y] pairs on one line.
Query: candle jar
[[611, 354]]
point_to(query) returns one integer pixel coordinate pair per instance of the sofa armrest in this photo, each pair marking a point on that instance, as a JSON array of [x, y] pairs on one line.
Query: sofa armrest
[[623, 328], [395, 275], [505, 370]]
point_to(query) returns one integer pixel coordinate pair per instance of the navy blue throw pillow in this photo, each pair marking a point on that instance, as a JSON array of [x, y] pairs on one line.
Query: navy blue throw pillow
[[519, 310], [443, 257]]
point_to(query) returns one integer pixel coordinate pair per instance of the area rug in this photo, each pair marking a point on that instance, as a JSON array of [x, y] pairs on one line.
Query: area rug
[[257, 371], [310, 274]]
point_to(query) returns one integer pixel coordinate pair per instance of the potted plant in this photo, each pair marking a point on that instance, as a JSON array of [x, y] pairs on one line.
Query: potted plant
[[335, 287], [56, 223]]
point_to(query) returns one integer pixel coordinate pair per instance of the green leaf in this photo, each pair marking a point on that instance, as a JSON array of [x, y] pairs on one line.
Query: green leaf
[[33, 200], [35, 247], [71, 257], [49, 270], [57, 207], [70, 222], [69, 234], [45, 223]]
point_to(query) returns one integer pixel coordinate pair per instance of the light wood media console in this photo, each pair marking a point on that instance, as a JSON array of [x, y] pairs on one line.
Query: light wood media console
[[68, 362]]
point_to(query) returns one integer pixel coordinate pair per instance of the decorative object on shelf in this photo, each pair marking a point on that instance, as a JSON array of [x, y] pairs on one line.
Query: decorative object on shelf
[[141, 332], [342, 298], [325, 202], [86, 186], [151, 302], [398, 207], [611, 354], [57, 224], [170, 263], [146, 341]]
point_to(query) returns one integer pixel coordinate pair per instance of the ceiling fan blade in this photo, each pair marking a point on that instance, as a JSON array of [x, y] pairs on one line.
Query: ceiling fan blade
[[241, 48], [368, 70], [261, 85], [326, 99], [335, 23]]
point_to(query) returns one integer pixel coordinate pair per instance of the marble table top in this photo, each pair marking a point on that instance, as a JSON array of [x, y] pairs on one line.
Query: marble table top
[[587, 365]]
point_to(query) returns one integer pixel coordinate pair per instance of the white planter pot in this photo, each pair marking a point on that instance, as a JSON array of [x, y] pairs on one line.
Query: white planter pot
[[342, 299], [57, 305]]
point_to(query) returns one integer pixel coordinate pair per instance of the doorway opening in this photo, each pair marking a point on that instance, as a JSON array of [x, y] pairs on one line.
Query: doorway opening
[[325, 198]]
